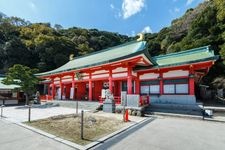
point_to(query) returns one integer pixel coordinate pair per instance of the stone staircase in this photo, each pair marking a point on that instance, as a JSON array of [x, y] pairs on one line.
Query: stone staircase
[[174, 109], [85, 105]]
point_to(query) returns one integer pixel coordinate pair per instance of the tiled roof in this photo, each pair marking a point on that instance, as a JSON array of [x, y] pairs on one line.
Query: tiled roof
[[105, 56], [7, 87], [185, 57], [134, 48]]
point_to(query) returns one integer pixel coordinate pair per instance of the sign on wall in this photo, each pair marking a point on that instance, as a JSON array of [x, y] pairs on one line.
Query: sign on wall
[[71, 93]]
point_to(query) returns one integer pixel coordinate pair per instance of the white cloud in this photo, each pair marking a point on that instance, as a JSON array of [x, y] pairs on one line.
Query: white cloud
[[147, 29], [176, 10], [189, 2], [131, 7], [133, 33], [33, 6], [112, 6]]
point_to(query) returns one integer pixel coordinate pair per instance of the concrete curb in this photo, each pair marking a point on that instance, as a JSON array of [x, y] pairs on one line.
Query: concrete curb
[[187, 116], [176, 115], [74, 145]]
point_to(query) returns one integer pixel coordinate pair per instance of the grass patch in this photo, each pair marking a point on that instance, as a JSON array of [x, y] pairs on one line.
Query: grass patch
[[68, 127]]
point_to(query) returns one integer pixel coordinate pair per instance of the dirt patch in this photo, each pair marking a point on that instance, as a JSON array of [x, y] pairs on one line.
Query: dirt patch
[[68, 127]]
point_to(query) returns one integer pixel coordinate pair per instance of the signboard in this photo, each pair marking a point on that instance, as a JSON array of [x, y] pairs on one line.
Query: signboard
[[59, 93], [123, 98], [71, 93], [103, 93]]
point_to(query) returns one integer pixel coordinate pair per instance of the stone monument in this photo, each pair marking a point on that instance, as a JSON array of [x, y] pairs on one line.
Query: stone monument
[[109, 103]]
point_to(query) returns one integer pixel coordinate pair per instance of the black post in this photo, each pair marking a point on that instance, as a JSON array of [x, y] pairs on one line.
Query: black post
[[203, 112], [29, 112], [77, 107], [2, 110], [124, 113], [82, 125]]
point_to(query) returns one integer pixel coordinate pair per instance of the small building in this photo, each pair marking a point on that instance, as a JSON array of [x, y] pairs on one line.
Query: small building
[[129, 67], [8, 94]]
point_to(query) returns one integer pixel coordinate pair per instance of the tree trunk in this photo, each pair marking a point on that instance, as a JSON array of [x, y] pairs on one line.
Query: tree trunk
[[27, 99]]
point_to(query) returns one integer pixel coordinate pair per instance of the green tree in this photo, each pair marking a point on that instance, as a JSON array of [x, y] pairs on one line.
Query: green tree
[[24, 77], [220, 5]]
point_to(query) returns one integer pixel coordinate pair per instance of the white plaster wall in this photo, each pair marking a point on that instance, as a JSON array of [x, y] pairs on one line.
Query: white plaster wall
[[100, 71], [120, 69], [85, 78], [67, 80], [175, 73], [66, 77], [56, 82], [100, 76], [149, 76], [119, 75], [134, 73]]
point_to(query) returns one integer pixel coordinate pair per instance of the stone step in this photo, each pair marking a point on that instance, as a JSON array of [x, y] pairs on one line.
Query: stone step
[[86, 105], [186, 112], [174, 108]]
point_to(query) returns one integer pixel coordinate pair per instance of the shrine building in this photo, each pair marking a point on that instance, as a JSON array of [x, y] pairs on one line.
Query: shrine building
[[129, 67]]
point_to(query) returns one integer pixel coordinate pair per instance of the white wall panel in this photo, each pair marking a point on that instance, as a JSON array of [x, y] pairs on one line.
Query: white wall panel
[[175, 73], [149, 76]]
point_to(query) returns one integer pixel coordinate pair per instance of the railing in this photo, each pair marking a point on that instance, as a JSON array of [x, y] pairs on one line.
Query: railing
[[144, 100], [46, 98], [117, 100]]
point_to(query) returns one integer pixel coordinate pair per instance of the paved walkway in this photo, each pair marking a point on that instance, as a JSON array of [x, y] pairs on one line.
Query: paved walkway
[[20, 113], [167, 133], [14, 137], [162, 133]]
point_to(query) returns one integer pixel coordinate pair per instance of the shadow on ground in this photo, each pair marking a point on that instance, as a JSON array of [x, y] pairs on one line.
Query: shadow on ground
[[118, 137]]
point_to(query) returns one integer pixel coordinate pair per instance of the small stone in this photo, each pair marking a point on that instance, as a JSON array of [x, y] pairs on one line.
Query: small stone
[[92, 119], [129, 111], [134, 112], [139, 113]]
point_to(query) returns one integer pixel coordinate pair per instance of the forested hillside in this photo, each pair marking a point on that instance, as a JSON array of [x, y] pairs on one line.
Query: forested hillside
[[42, 46], [204, 25]]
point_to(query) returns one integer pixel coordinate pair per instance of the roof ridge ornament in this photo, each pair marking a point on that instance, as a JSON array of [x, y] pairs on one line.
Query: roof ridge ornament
[[141, 37], [71, 57]]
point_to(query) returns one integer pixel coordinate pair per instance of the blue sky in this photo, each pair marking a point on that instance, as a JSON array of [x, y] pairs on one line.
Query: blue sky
[[123, 16]]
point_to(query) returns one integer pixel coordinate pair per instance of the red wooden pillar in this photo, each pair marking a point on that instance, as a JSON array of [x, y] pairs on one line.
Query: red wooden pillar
[[53, 89], [110, 81], [73, 86], [90, 87], [49, 89], [137, 85], [61, 87], [129, 80], [191, 83], [161, 83]]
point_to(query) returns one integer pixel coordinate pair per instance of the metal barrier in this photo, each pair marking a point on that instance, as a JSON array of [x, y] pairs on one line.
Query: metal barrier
[[46, 98], [117, 100]]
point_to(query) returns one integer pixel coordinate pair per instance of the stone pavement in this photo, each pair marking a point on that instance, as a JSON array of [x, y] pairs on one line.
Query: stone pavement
[[14, 137], [168, 133], [20, 113], [161, 133]]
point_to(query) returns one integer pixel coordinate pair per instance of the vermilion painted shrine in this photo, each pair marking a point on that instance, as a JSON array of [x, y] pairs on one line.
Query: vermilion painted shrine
[[129, 67]]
